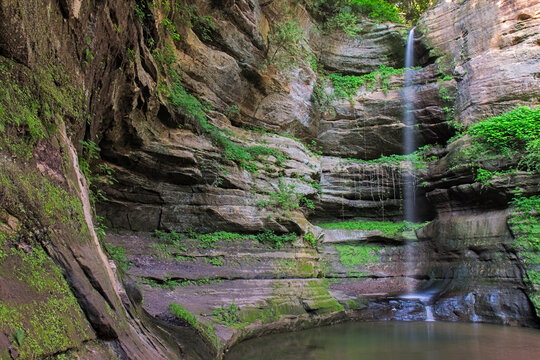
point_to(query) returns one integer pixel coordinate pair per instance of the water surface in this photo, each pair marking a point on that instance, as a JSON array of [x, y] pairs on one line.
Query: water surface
[[395, 340]]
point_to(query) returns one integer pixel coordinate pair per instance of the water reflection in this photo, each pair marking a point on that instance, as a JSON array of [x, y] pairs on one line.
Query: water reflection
[[396, 340]]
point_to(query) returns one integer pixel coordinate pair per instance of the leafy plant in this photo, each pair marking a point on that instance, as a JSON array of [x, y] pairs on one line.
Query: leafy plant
[[513, 134], [138, 9], [232, 112], [19, 336], [180, 312], [484, 176], [510, 131], [345, 14], [310, 239], [287, 42], [286, 198], [379, 10], [118, 254], [227, 315], [216, 261], [205, 26], [275, 240], [346, 21], [169, 26]]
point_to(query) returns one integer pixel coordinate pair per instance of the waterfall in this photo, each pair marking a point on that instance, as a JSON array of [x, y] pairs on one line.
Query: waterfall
[[429, 313], [409, 145]]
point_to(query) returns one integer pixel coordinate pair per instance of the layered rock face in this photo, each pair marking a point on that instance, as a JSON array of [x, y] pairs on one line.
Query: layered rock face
[[204, 122], [492, 48], [492, 51]]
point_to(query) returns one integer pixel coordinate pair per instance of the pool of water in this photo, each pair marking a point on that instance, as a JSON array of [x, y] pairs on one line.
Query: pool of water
[[395, 340]]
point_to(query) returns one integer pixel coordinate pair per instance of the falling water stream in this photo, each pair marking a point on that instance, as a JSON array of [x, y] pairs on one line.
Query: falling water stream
[[409, 143], [409, 206]]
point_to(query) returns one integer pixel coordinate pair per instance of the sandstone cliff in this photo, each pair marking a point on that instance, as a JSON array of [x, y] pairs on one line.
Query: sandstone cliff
[[194, 119]]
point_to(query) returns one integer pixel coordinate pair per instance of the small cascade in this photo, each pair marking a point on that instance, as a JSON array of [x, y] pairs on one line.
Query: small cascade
[[426, 299], [429, 313], [409, 145]]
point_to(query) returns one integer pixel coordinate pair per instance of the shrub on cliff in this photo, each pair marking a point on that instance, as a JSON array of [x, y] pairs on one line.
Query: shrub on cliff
[[513, 134]]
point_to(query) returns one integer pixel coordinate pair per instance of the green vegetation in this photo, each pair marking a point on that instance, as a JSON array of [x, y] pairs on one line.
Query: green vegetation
[[40, 202], [180, 13], [510, 131], [19, 337], [275, 240], [208, 331], [31, 104], [232, 112], [217, 261], [169, 283], [388, 228], [514, 134], [169, 26], [448, 96], [351, 255], [46, 318], [299, 267], [94, 170], [287, 42], [344, 14], [180, 312], [310, 239], [285, 302], [195, 111], [227, 315], [346, 86], [171, 237], [210, 240], [286, 199], [169, 242], [525, 225], [118, 254]]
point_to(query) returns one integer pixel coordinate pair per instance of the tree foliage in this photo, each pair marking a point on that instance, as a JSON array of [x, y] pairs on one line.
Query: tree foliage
[[344, 13], [412, 9]]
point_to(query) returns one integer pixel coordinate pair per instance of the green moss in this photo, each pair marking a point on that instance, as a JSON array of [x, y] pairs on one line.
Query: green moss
[[298, 268], [32, 103], [388, 228], [347, 86], [268, 313], [351, 256], [525, 225], [50, 318], [206, 330], [36, 200]]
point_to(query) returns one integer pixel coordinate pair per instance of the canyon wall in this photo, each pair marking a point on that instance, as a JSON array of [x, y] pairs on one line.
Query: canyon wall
[[192, 117]]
